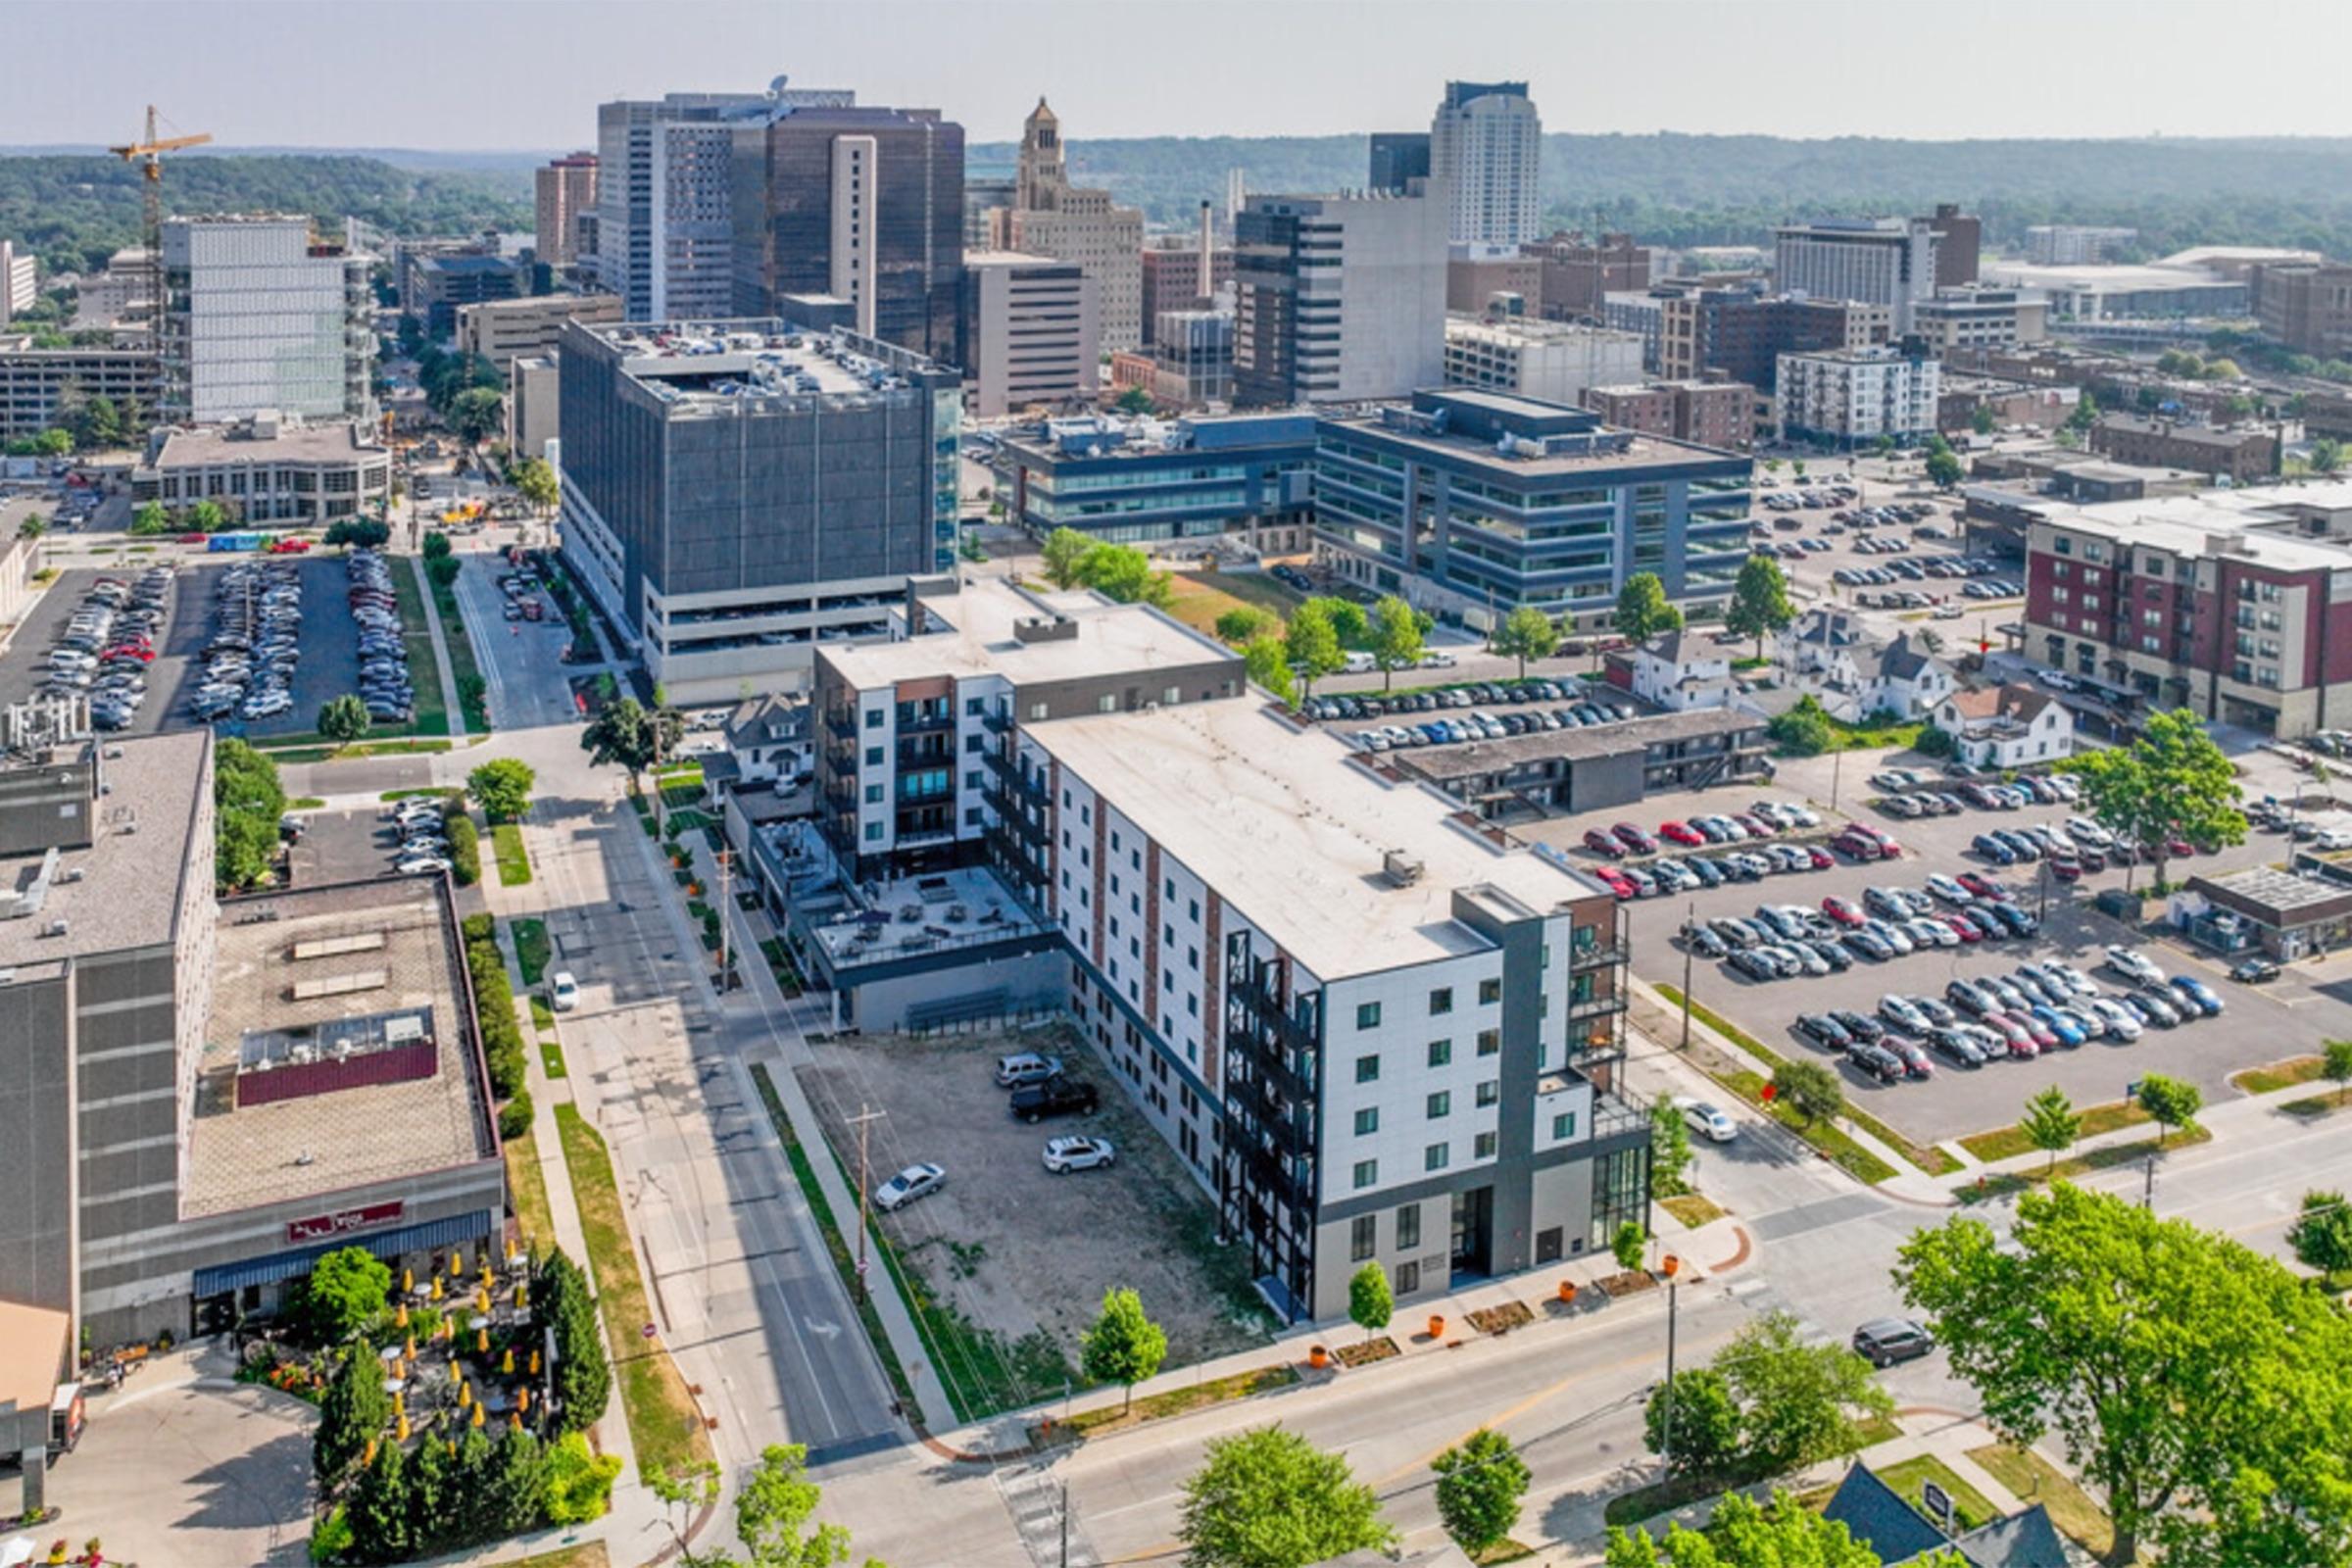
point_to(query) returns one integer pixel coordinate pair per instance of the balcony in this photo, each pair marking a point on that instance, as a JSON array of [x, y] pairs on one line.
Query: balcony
[[841, 723], [1599, 954], [1596, 1007], [927, 722], [997, 721]]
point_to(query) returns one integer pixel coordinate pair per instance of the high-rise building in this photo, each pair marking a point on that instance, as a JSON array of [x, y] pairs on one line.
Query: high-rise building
[[1484, 146], [1959, 242], [1879, 260], [1578, 272], [565, 188], [982, 197], [737, 491], [1398, 158], [862, 202], [1051, 217], [261, 315], [1171, 274], [19, 280], [1337, 298], [1031, 331]]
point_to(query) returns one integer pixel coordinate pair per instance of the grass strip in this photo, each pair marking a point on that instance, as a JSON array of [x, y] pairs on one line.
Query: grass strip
[[664, 1426], [513, 861], [526, 1189], [447, 791], [1176, 1402], [306, 803], [1848, 1155], [1970, 1507], [2006, 1142], [2003, 1183], [463, 669], [532, 951], [2312, 1108], [2034, 1479], [1691, 1209], [430, 715], [587, 1554], [2277, 1075]]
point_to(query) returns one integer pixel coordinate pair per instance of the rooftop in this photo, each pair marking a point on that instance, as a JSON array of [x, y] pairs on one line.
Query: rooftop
[[2202, 435], [1580, 446], [715, 362], [2248, 523], [2104, 278], [121, 891], [313, 443], [1293, 834], [291, 966], [980, 637], [2286, 897], [1480, 758]]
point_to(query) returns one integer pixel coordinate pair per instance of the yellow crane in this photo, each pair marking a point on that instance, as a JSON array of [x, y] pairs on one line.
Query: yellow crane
[[147, 152]]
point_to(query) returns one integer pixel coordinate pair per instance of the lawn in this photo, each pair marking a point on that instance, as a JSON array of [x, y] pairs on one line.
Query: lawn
[[531, 952], [1176, 1402], [2005, 1142], [1969, 1505], [1201, 597], [287, 750], [431, 714], [448, 791], [2277, 1075], [513, 861], [664, 1423], [1691, 1209], [461, 665], [2002, 1183], [526, 1187], [587, 1554], [2036, 1479]]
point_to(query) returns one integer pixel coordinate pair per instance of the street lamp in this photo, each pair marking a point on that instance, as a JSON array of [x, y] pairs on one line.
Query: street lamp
[[1690, 918]]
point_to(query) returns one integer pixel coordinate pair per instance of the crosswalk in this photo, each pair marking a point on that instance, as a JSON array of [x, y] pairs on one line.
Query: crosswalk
[[1036, 1500]]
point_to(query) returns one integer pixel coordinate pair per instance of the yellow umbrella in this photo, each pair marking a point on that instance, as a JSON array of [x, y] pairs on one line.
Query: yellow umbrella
[[481, 1342], [509, 1248], [370, 1456], [523, 1397], [513, 1422], [534, 1363], [402, 1431], [477, 1416], [408, 1280], [487, 1278], [436, 1286], [522, 1295], [410, 1353], [400, 1319], [457, 1262], [505, 1363], [465, 1393], [481, 1299]]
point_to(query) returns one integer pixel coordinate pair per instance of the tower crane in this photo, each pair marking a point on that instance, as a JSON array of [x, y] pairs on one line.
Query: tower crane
[[147, 152]]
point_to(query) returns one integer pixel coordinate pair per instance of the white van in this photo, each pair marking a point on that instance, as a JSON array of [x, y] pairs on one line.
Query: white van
[[1359, 664]]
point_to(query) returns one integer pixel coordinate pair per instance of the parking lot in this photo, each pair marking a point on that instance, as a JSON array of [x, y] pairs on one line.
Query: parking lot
[[349, 846], [1016, 1248], [2285, 1018]]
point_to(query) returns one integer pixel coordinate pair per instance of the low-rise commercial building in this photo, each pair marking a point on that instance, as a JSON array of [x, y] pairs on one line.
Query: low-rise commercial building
[[2288, 915], [1981, 315], [40, 387], [266, 471], [1711, 414], [505, 330], [2242, 454], [1564, 772], [1847, 398], [1477, 274], [1189, 364], [1557, 361], [2098, 293], [1032, 333], [1247, 476]]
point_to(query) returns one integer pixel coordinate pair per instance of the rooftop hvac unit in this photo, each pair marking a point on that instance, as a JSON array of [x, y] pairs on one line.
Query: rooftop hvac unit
[[1401, 869], [55, 928]]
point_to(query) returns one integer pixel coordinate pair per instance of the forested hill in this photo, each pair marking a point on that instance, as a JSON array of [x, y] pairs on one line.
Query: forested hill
[[75, 210], [1680, 190]]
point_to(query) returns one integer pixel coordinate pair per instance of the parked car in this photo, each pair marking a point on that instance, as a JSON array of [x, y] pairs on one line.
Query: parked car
[[915, 1181], [1026, 1068], [1707, 1121], [562, 991], [1055, 1097], [2254, 972], [1883, 1341], [1066, 1154], [2134, 965]]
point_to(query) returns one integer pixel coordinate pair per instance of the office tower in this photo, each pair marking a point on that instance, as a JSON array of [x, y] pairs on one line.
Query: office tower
[[1337, 298], [863, 204], [1959, 241], [565, 188], [1234, 194], [19, 280], [737, 491], [1032, 332], [260, 314], [1051, 217], [1878, 260], [1484, 146], [1398, 158]]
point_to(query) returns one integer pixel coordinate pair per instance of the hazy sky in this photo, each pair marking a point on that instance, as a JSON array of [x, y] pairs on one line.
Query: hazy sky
[[528, 73]]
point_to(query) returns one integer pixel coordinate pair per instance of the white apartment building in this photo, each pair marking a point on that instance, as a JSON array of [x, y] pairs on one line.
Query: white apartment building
[[2075, 244], [1051, 217], [261, 315], [1852, 397], [1557, 361], [1032, 332], [1878, 260], [1486, 145], [19, 280]]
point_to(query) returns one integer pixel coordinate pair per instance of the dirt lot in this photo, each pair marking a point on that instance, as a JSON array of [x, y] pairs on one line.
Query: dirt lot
[[1014, 1248]]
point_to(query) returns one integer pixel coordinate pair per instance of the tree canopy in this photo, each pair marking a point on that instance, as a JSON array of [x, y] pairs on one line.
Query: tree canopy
[[1526, 633], [632, 735], [1480, 1483], [1268, 1498], [1123, 1346], [1313, 643], [1642, 610], [502, 787], [1759, 604], [1398, 630]]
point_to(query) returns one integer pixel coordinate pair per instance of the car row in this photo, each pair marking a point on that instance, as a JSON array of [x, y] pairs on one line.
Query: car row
[[1493, 694], [385, 684], [1476, 726], [106, 646], [248, 667], [1787, 941], [419, 839]]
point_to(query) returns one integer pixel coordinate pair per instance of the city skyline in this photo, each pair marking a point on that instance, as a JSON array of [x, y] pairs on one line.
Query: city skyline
[[234, 66]]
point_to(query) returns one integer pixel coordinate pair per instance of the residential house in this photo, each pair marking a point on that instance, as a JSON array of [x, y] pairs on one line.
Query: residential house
[[1904, 677], [768, 737], [1819, 655], [1680, 671], [1898, 1534], [2007, 727]]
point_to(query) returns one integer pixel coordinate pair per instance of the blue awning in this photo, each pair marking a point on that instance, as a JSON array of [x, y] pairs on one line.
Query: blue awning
[[426, 1237]]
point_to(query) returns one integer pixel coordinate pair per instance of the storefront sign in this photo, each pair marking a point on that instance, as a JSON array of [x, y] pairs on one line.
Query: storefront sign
[[343, 1222]]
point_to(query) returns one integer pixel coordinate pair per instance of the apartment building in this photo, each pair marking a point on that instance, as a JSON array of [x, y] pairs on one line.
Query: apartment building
[[2306, 305], [737, 492], [19, 280], [1877, 261], [1578, 273], [563, 192], [1980, 316], [1172, 278], [1051, 217], [2231, 603], [38, 387], [1471, 504], [267, 471], [1852, 397], [2075, 244], [1486, 148], [2242, 454], [1338, 299], [261, 315], [1709, 413], [1369, 1035], [123, 295], [502, 331], [1143, 482], [1739, 332], [1556, 361], [1032, 333]]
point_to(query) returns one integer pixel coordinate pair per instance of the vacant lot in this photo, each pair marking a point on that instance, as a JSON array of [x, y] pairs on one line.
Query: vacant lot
[[1015, 1253], [1202, 595]]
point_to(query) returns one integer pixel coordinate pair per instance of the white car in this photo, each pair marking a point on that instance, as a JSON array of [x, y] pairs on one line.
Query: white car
[[1949, 891], [418, 864], [2121, 1022], [562, 991], [2335, 838], [1066, 1154], [915, 1181], [2082, 830], [2134, 966], [1707, 1121]]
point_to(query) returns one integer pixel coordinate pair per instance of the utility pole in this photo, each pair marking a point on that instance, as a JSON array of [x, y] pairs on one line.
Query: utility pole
[[1837, 770], [1065, 1523], [1666, 1441], [2147, 1190], [1690, 918], [725, 858], [865, 1117]]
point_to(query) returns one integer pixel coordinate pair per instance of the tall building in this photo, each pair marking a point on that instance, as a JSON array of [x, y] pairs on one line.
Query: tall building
[[566, 189], [1032, 333], [1959, 244], [1051, 217], [440, 286], [1484, 146], [1852, 397], [2306, 305], [19, 280], [737, 492], [2075, 244], [260, 314], [1171, 274], [1338, 299], [865, 204], [1878, 260], [1576, 273], [982, 197], [1398, 158]]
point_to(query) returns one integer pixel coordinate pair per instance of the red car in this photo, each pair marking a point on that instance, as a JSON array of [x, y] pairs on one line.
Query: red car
[[1984, 887], [144, 655], [1601, 843], [194, 538], [1615, 883], [291, 547], [1681, 833], [2067, 870], [1633, 839], [1756, 827], [1844, 913], [1967, 929], [2178, 848], [1821, 857], [2044, 1038]]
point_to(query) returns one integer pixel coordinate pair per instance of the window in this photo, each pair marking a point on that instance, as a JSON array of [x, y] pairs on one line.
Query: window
[[1490, 992], [1489, 1041], [1367, 1121], [1489, 1093], [1437, 1157], [1482, 1146], [873, 795], [1367, 1015], [1440, 1053], [873, 718], [1367, 1069], [873, 757], [1367, 1174], [1408, 1227], [971, 745], [1363, 1238], [873, 832], [1440, 1001], [1441, 1104], [1108, 703], [1039, 711], [1409, 1278], [1563, 1126], [972, 708]]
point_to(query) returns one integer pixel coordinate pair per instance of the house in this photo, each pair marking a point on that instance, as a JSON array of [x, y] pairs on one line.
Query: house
[[768, 736], [1905, 678], [2007, 727], [1680, 671], [1875, 1514], [1821, 654]]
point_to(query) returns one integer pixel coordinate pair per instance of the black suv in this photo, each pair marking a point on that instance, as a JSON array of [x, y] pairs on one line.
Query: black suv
[[1055, 1096]]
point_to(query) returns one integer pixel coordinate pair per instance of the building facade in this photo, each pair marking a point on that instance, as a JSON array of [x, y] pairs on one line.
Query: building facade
[[563, 190], [1979, 317], [1171, 277], [1247, 476], [737, 492], [1051, 217], [505, 330], [39, 387], [1191, 362], [1576, 273], [2075, 244], [1709, 413], [2242, 454], [259, 314], [534, 405], [1556, 361], [1959, 244], [1488, 279], [1852, 397], [1486, 148], [1338, 299], [444, 285], [19, 280], [1738, 333], [263, 472], [2306, 305], [1880, 261], [1032, 333], [664, 199], [1398, 158], [1471, 504]]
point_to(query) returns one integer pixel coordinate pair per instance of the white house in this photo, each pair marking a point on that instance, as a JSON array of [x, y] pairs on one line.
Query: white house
[[1818, 656], [2007, 727], [1679, 671], [1904, 677], [768, 736]]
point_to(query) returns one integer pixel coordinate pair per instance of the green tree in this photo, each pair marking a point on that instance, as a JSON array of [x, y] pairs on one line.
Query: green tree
[[1642, 609], [1809, 1086], [1398, 630], [1944, 469], [1628, 1245], [502, 787], [578, 1483], [345, 1294], [1744, 1534], [382, 1527], [1799, 1404], [475, 412], [1349, 621], [343, 719], [1135, 400], [247, 802], [1981, 421], [2321, 1235], [354, 1412], [206, 516], [1705, 1435], [772, 1513], [2085, 413], [2050, 1123], [1935, 741], [52, 443], [442, 569], [1124, 573], [516, 1483], [2336, 1064], [1803, 730], [2173, 1102], [1796, 467], [1269, 665], [1312, 644], [1759, 604], [34, 526], [2190, 788], [1480, 1483], [1525, 633], [1065, 548], [1370, 1304], [583, 1375], [360, 532], [629, 734], [433, 1496], [438, 546], [1243, 624], [536, 483], [150, 519], [1669, 1150], [1124, 1345], [2327, 454], [1268, 1498]]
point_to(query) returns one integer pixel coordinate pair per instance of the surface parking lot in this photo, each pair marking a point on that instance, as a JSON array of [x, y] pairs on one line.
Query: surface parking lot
[[2260, 1024], [350, 846]]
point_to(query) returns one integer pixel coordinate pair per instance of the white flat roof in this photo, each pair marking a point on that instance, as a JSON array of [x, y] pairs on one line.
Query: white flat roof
[[2183, 524], [980, 640], [1293, 834]]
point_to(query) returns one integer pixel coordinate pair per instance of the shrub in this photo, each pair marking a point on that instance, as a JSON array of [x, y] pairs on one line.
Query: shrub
[[464, 852], [514, 1116]]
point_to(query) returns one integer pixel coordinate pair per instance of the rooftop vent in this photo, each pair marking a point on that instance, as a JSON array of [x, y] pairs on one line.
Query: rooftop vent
[[1045, 629], [1401, 869], [55, 928]]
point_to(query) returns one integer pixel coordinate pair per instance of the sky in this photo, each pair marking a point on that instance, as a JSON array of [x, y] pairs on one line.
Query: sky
[[527, 75]]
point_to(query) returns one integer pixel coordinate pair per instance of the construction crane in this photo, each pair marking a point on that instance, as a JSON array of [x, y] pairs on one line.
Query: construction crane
[[147, 152]]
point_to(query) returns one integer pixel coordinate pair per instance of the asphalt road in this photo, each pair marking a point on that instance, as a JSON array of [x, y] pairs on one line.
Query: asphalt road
[[521, 661]]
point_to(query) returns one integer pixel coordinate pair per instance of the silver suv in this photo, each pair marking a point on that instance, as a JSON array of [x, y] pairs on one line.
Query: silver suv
[[1026, 1068]]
